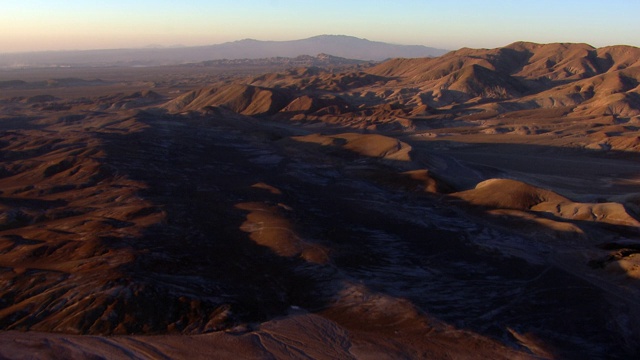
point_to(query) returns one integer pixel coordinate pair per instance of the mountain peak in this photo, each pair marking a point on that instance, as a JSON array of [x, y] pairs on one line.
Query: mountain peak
[[344, 46], [335, 36]]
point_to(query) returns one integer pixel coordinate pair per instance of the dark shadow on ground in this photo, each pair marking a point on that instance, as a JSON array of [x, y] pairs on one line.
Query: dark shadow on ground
[[409, 247]]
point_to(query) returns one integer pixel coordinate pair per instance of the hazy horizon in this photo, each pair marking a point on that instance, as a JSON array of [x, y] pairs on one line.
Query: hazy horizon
[[37, 25], [177, 46]]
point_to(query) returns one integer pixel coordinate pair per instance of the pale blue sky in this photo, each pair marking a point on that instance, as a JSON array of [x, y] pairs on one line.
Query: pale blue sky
[[27, 25]]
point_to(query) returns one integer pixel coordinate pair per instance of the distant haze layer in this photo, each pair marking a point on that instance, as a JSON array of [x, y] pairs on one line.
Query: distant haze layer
[[337, 45]]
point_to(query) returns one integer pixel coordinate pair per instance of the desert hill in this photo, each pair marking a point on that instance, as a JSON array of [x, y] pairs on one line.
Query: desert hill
[[242, 99], [529, 61], [511, 194], [530, 68], [573, 81], [483, 204]]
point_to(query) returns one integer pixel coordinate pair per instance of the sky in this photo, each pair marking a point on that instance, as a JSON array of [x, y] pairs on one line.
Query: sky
[[37, 25]]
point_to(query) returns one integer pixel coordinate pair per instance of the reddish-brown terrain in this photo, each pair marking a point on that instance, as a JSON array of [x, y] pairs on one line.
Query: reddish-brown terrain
[[482, 204]]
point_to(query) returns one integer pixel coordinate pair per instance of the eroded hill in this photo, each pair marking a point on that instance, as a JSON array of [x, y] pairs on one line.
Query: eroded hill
[[478, 204]]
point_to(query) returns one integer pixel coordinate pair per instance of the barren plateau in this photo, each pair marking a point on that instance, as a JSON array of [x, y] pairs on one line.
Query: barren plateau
[[480, 204]]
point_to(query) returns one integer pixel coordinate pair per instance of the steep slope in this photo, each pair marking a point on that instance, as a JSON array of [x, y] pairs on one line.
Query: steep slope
[[242, 99], [529, 61], [561, 80], [577, 79], [478, 81], [556, 62], [614, 93]]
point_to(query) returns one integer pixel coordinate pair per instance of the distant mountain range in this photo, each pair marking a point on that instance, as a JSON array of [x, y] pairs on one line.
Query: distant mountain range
[[337, 45], [322, 60], [542, 81]]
